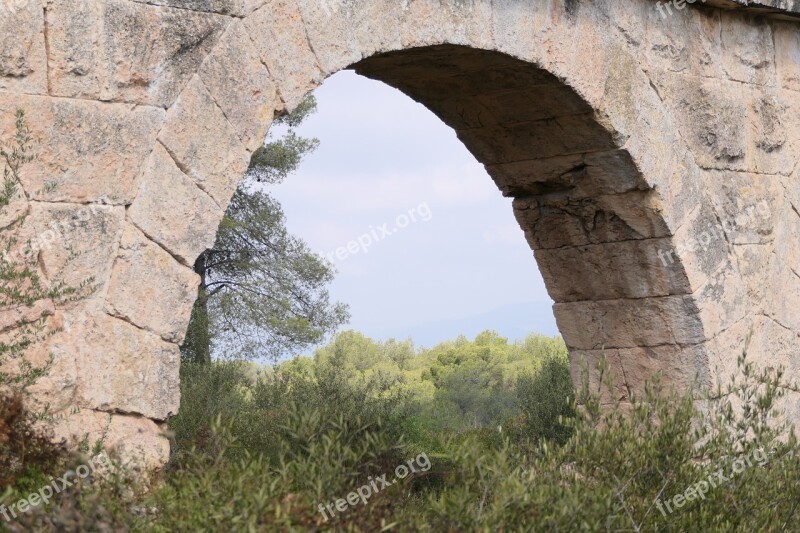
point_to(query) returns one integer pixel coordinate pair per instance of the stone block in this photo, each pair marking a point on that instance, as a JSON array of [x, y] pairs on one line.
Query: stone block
[[149, 289], [331, 28], [87, 151], [584, 175], [787, 54], [125, 51], [772, 141], [23, 57], [748, 49], [203, 143], [281, 42], [609, 384], [72, 244], [681, 368], [172, 211], [138, 442], [687, 40], [241, 85], [558, 220], [629, 269], [711, 116], [431, 22], [701, 245], [747, 206], [629, 323], [121, 368]]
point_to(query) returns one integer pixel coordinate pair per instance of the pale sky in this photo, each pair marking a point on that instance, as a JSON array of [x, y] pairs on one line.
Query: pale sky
[[459, 260]]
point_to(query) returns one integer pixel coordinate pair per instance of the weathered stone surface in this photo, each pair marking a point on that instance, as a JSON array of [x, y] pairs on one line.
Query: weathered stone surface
[[640, 152], [150, 289], [702, 245], [584, 175], [632, 368], [121, 368], [173, 211], [537, 139], [749, 49], [686, 41], [224, 7], [23, 59], [73, 244], [280, 38], [137, 441], [711, 115], [629, 323], [329, 27], [127, 51], [638, 270], [87, 152], [776, 269], [452, 21], [787, 54], [746, 205], [558, 220], [685, 367], [202, 142], [240, 84]]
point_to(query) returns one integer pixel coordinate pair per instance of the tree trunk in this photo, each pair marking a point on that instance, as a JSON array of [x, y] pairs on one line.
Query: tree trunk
[[197, 345]]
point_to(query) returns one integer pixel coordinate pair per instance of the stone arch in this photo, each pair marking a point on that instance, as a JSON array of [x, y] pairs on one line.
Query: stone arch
[[596, 225], [618, 133]]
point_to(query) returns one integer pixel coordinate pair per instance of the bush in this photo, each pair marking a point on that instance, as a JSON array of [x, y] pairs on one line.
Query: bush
[[268, 451]]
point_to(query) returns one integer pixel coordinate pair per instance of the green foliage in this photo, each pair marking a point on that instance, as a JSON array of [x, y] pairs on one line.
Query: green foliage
[[546, 399], [273, 162], [26, 301], [285, 440], [21, 287], [268, 287], [28, 455], [263, 292]]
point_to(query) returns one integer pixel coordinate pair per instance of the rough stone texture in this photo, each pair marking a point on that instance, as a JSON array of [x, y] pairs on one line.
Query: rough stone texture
[[203, 143], [72, 243], [119, 50], [94, 150], [135, 439], [240, 84], [652, 159], [150, 289], [225, 7], [173, 211], [121, 368], [23, 59]]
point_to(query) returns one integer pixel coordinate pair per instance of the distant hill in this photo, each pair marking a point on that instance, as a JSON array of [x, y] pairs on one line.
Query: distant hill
[[513, 321]]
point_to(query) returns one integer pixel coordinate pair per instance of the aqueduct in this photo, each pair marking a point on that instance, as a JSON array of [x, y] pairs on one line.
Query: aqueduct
[[651, 152]]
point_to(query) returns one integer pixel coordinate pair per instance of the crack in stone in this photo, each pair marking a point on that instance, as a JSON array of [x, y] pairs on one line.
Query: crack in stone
[[185, 170], [154, 241]]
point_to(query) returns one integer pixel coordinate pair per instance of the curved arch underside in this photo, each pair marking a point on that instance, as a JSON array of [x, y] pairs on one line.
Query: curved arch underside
[[594, 222], [652, 161]]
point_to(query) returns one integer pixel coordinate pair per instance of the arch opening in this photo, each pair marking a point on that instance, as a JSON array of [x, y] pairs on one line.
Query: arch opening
[[593, 222]]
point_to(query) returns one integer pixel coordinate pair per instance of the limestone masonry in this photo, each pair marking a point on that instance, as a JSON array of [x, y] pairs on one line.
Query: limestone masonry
[[653, 162]]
